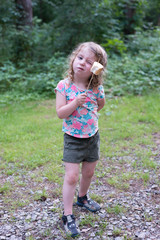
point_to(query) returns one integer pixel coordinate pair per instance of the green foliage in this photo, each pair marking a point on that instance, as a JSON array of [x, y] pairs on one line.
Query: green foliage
[[32, 79], [79, 21], [152, 12], [60, 25], [57, 26], [27, 45], [115, 46], [130, 14], [138, 71], [146, 41], [134, 72], [32, 60]]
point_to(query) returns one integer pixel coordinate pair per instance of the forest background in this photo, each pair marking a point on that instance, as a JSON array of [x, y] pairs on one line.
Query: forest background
[[37, 36]]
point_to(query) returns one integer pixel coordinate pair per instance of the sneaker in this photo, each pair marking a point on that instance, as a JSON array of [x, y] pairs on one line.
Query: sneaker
[[70, 225], [88, 203]]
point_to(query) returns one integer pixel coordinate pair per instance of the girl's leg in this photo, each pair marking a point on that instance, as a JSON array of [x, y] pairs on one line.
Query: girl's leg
[[87, 174], [70, 180]]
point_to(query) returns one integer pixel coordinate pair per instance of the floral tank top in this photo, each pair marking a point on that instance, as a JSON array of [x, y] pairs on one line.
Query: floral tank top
[[83, 122]]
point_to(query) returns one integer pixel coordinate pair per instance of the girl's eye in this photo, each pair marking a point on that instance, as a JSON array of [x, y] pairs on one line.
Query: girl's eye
[[89, 63], [80, 57]]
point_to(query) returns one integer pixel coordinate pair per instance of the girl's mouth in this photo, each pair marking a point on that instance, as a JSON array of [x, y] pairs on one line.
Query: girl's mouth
[[80, 68]]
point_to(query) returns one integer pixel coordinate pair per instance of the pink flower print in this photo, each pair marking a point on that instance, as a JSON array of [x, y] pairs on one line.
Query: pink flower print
[[90, 121], [76, 114], [95, 90], [65, 124], [86, 135], [70, 100], [87, 99], [77, 125], [72, 95], [83, 111], [60, 86], [73, 88], [85, 126]]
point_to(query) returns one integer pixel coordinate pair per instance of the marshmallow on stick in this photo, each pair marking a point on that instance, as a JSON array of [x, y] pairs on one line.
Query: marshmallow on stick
[[96, 68]]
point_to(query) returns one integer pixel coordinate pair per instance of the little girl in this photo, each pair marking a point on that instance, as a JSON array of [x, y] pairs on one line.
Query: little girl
[[78, 107]]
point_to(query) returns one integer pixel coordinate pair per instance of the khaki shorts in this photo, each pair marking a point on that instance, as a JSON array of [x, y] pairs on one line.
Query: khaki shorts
[[77, 150]]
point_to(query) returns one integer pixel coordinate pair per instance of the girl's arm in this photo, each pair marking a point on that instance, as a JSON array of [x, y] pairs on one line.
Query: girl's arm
[[101, 104], [63, 109]]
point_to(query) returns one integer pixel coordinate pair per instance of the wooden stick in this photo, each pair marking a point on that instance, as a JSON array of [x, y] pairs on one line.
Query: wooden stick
[[90, 82]]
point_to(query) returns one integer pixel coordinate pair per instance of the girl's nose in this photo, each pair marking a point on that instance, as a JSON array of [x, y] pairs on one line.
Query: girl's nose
[[82, 62]]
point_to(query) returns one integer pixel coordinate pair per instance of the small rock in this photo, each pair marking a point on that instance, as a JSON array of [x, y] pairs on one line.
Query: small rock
[[13, 237], [141, 235], [92, 234], [119, 238], [155, 187], [2, 238], [109, 233]]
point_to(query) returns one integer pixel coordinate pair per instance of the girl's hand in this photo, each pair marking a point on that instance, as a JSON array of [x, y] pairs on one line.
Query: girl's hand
[[81, 99]]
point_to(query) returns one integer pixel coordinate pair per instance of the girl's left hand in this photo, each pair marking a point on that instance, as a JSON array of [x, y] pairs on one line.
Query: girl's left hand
[[81, 99]]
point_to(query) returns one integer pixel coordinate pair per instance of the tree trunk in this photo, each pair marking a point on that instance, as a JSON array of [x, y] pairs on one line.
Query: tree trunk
[[24, 8], [130, 12], [158, 21]]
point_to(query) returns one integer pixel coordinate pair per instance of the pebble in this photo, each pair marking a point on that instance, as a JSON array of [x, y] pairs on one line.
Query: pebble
[[141, 235]]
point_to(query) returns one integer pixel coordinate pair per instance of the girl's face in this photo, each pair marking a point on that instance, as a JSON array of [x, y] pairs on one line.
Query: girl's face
[[83, 63]]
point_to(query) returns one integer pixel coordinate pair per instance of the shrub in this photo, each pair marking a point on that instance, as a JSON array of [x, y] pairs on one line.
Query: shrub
[[114, 46], [136, 72], [133, 72]]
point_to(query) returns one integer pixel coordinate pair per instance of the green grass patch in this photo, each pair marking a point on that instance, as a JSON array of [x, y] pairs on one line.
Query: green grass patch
[[89, 220], [117, 209], [6, 187], [30, 135], [130, 125]]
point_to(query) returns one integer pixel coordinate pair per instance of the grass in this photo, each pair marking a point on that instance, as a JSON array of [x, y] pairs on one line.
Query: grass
[[5, 188], [30, 135], [117, 209], [31, 143], [89, 220]]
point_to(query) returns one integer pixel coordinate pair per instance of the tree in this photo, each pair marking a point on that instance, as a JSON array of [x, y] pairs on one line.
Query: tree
[[152, 12], [78, 21], [129, 13], [24, 8]]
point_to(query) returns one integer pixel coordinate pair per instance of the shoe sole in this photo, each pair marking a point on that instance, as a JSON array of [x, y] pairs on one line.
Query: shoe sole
[[75, 235], [82, 205], [71, 235]]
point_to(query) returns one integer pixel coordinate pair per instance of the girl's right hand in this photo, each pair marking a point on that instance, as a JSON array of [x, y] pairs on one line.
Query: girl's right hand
[[81, 99]]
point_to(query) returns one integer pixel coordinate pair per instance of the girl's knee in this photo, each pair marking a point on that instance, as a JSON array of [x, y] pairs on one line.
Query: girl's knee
[[88, 174], [72, 179]]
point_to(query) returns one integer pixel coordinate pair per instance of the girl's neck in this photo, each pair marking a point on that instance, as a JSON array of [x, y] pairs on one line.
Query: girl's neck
[[81, 83]]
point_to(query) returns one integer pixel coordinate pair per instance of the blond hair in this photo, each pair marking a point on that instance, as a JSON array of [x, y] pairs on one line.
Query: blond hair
[[100, 55]]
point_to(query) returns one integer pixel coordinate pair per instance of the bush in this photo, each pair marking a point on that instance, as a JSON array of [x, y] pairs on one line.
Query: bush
[[136, 72], [114, 46], [39, 78]]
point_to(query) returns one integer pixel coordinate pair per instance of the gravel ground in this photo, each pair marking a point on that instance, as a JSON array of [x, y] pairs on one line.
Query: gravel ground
[[136, 212]]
